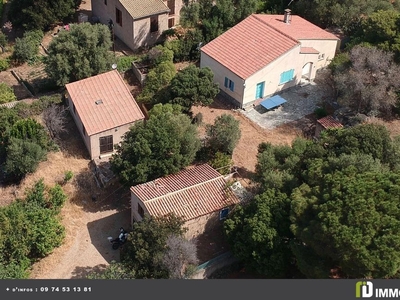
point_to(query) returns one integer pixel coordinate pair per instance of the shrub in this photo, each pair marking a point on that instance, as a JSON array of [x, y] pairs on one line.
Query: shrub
[[198, 118], [124, 63], [68, 176], [27, 47], [320, 112], [221, 162], [4, 64], [6, 94], [3, 38]]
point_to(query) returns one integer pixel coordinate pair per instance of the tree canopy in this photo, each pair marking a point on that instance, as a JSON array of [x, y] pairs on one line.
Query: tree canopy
[[193, 86], [371, 82], [41, 14], [80, 52], [163, 145], [323, 205]]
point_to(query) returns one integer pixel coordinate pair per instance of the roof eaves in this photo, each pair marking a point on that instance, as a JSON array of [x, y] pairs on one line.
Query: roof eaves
[[153, 14]]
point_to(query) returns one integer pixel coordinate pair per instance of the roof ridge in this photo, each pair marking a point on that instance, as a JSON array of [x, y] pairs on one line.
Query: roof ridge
[[274, 28], [184, 189]]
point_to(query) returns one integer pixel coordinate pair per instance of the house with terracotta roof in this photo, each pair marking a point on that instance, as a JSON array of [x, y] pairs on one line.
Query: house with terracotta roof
[[103, 109], [326, 123], [138, 23], [199, 194], [265, 54]]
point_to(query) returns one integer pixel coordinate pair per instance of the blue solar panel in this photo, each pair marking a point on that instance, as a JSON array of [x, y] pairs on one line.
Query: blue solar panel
[[273, 102]]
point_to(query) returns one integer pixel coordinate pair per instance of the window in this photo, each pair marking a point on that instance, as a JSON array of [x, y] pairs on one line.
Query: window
[[286, 76], [105, 2], [73, 107], [223, 214], [83, 130], [106, 144], [118, 16], [321, 56], [140, 210], [229, 84], [154, 24]]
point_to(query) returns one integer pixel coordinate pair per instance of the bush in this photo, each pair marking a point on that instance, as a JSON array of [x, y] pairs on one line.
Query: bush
[[320, 112], [6, 94], [68, 176], [4, 64], [124, 63], [340, 63], [222, 163], [27, 47], [3, 38], [198, 119]]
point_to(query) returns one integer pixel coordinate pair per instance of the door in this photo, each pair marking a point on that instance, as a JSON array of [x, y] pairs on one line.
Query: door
[[260, 90], [306, 71]]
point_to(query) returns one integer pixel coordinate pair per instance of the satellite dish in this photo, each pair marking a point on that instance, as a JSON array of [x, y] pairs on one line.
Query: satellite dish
[[114, 66]]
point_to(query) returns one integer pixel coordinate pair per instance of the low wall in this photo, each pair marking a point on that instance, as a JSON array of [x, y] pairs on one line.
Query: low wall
[[139, 75], [209, 267]]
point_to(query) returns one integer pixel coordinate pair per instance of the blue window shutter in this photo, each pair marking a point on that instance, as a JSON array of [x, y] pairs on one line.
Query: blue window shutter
[[232, 85], [282, 80], [226, 82], [291, 74]]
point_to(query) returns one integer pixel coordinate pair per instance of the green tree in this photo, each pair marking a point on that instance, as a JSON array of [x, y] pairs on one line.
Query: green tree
[[28, 231], [193, 86], [349, 220], [41, 14], [23, 157], [78, 53], [30, 130], [224, 134], [164, 144], [8, 117], [146, 246], [26, 48], [260, 233]]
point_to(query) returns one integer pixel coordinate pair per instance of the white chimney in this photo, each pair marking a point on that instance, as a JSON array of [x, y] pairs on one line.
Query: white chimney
[[287, 17]]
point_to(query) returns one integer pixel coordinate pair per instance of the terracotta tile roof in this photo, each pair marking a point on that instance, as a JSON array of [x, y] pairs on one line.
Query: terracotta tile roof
[[190, 193], [298, 28], [308, 50], [249, 46], [116, 104], [329, 122], [143, 8]]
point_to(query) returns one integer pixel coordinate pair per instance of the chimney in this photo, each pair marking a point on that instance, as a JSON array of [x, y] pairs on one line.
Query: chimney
[[287, 16]]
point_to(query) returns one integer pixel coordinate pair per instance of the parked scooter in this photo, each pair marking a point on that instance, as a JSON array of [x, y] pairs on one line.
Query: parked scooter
[[120, 240]]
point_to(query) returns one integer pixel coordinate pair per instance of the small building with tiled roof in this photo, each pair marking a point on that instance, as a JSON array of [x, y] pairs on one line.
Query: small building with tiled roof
[[265, 54], [326, 123], [138, 23], [103, 109], [199, 194]]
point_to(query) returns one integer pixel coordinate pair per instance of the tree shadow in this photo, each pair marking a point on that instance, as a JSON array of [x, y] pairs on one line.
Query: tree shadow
[[83, 272], [100, 230], [212, 242], [92, 197]]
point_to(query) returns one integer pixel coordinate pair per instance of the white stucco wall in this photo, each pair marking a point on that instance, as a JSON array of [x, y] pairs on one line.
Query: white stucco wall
[[326, 47], [142, 36], [220, 72], [117, 134]]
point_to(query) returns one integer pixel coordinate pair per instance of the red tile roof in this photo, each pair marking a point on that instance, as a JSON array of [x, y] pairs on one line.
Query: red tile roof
[[260, 39], [116, 106], [329, 122], [190, 193], [308, 50], [249, 46], [298, 28]]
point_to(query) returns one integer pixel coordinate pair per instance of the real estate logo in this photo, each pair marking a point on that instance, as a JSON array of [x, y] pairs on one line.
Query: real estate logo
[[365, 289]]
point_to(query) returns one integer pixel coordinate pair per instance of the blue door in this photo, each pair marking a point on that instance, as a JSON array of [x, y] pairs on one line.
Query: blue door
[[260, 90]]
